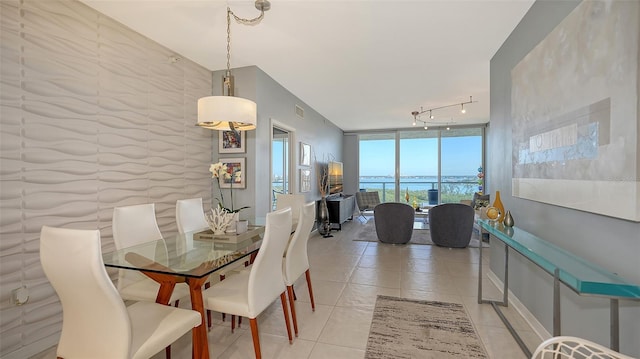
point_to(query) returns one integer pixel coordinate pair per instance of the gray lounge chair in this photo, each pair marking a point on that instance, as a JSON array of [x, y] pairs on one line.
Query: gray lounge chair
[[451, 224], [394, 222]]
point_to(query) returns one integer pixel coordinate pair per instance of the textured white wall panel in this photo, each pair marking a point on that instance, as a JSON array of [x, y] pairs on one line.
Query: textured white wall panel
[[93, 116]]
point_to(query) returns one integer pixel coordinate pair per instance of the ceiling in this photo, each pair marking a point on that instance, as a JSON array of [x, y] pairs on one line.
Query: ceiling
[[361, 64]]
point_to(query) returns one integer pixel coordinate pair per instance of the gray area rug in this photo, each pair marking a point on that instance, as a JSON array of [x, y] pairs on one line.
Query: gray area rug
[[367, 232], [406, 328]]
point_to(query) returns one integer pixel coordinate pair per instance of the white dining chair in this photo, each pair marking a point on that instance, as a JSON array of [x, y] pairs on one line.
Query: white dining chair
[[134, 225], [296, 260], [190, 215], [95, 321], [249, 293], [293, 201], [190, 218], [567, 347]]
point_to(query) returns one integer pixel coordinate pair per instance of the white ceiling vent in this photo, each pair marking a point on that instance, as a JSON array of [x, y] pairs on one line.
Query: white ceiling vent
[[299, 112]]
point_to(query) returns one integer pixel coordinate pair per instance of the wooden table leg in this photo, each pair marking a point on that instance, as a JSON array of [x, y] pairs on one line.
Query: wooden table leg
[[200, 343]]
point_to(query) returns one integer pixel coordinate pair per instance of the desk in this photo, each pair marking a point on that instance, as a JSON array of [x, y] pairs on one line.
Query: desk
[[581, 276], [180, 258]]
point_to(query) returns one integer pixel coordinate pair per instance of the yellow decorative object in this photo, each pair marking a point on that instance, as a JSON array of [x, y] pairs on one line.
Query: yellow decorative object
[[493, 213], [406, 195], [415, 203], [497, 203]]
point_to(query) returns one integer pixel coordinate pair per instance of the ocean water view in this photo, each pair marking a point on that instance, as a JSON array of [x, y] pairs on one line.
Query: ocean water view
[[452, 188]]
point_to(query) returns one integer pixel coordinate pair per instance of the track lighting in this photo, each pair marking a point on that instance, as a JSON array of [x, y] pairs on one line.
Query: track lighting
[[416, 114]]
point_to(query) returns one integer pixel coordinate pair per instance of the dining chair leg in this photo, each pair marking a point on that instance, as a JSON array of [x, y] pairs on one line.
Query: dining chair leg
[[239, 321], [256, 338], [293, 309], [167, 352], [233, 323], [224, 316], [313, 304], [207, 286], [283, 299]]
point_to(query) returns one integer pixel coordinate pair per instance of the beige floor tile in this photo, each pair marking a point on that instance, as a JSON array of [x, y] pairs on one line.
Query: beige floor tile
[[328, 351], [376, 276], [385, 262], [499, 343], [272, 347], [428, 282], [332, 273], [364, 296], [425, 265], [348, 327], [311, 323], [324, 292]]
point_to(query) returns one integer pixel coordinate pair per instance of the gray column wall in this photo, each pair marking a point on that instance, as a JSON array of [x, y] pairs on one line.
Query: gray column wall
[[609, 242], [275, 102]]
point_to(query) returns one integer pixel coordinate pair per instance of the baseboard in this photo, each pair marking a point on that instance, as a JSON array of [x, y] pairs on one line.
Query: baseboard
[[514, 302]]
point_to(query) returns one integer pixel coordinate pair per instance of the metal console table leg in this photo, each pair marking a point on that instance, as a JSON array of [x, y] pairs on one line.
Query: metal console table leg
[[505, 298]]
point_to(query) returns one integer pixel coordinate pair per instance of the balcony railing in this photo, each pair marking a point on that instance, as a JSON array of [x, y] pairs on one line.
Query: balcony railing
[[451, 191]]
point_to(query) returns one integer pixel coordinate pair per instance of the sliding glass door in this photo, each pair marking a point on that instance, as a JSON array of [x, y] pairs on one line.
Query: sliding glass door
[[460, 157], [418, 165], [378, 164], [425, 167]]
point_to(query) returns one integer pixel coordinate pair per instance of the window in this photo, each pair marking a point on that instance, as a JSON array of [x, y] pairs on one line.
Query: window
[[437, 166], [378, 165]]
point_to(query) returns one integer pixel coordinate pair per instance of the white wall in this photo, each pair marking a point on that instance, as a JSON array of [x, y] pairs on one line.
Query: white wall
[[93, 115], [611, 243]]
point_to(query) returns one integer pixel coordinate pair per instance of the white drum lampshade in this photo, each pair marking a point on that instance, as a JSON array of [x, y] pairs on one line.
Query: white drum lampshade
[[216, 112]]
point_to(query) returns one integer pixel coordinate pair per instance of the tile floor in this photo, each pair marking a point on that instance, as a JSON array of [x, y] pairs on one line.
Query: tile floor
[[347, 276]]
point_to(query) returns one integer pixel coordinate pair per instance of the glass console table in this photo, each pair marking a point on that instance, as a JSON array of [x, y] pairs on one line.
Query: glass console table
[[581, 276]]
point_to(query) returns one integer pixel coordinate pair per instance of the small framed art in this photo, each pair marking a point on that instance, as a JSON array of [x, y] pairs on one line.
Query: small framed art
[[235, 172], [231, 142], [305, 154], [305, 180]]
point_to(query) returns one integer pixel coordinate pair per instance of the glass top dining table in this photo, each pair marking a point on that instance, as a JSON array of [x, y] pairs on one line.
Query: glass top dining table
[[190, 257]]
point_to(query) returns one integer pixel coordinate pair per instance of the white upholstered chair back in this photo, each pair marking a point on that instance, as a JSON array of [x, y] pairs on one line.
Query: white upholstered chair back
[[266, 280], [95, 323], [134, 225], [296, 261], [190, 215], [293, 201]]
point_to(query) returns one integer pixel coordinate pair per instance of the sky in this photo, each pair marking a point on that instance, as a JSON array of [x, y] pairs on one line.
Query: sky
[[419, 157], [461, 156]]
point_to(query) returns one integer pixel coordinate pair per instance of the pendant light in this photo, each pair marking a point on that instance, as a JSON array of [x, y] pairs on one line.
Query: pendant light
[[227, 112]]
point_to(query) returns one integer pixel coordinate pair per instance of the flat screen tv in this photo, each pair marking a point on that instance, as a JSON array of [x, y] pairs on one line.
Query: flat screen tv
[[335, 177]]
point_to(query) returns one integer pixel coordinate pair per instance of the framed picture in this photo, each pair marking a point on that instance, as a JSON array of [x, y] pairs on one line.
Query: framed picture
[[231, 142], [235, 171], [305, 180], [305, 154]]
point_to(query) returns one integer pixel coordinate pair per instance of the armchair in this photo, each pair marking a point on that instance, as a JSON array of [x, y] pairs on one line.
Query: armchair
[[367, 201]]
